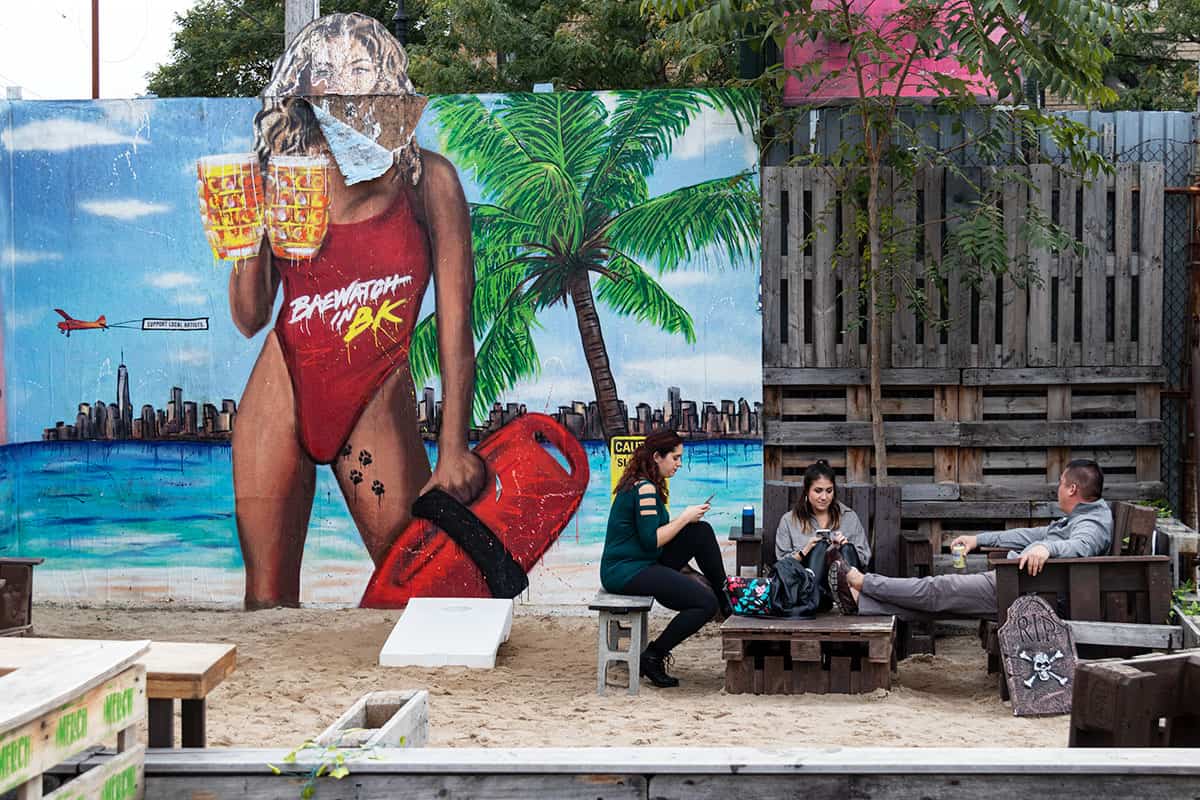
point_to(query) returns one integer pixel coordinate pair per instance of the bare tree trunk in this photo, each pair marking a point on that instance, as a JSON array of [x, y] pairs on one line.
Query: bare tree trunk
[[876, 246], [611, 419]]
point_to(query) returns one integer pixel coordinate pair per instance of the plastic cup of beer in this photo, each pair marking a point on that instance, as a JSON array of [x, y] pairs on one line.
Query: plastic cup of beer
[[960, 555], [231, 203], [297, 205]]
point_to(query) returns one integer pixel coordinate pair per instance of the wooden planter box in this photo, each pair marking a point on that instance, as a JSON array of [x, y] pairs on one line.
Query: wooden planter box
[[382, 719]]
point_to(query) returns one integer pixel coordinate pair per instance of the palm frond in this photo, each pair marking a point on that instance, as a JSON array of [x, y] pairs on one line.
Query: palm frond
[[506, 356], [423, 352], [564, 128], [673, 227], [635, 294]]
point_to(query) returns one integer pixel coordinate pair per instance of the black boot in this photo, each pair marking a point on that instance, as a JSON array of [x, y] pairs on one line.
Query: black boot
[[654, 667]]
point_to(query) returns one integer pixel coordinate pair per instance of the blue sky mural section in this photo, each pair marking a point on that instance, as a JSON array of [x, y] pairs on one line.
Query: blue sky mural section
[[98, 215]]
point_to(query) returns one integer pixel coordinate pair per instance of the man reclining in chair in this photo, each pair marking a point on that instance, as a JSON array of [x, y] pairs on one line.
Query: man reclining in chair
[[1085, 531]]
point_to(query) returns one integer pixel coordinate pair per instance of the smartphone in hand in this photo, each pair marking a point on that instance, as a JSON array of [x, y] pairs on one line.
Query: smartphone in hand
[[710, 498], [823, 533]]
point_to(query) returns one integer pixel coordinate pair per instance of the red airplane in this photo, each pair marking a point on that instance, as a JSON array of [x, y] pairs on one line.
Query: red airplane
[[71, 324]]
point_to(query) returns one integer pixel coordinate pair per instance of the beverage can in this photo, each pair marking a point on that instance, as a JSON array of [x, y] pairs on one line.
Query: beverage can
[[960, 556], [747, 520]]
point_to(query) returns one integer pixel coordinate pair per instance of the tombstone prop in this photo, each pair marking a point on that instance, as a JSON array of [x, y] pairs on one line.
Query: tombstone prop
[[1038, 654]]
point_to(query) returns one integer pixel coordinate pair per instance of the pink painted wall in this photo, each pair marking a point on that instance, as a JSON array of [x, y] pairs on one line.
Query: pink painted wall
[[883, 16]]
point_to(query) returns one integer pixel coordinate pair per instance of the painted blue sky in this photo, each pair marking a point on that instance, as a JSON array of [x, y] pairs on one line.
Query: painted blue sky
[[98, 215]]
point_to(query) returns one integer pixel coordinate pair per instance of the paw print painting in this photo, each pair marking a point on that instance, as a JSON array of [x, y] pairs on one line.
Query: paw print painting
[[356, 478], [364, 458], [346, 450], [377, 488]]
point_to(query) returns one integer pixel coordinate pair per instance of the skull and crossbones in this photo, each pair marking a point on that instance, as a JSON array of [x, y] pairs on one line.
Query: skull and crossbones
[[1042, 664]]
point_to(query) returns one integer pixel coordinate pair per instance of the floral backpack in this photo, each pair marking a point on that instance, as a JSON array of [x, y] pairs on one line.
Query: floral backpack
[[750, 597]]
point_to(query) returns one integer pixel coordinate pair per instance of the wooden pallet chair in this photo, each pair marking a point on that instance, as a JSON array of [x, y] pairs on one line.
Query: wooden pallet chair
[[1127, 587], [16, 595]]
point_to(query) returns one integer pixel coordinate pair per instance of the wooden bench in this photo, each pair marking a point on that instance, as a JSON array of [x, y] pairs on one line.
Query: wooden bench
[[16, 595], [622, 617], [1142, 702], [187, 671], [829, 654]]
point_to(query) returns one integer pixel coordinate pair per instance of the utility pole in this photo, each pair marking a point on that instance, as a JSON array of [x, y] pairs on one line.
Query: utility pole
[[297, 14], [95, 49], [400, 23]]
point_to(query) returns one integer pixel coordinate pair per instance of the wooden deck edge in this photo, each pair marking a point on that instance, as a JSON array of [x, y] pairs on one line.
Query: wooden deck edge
[[691, 761]]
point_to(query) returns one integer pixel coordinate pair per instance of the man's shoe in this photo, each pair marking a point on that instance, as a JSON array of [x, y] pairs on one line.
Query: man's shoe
[[839, 587], [654, 667]]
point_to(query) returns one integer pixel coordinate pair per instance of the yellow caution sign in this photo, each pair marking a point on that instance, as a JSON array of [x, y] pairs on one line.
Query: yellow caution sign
[[620, 451]]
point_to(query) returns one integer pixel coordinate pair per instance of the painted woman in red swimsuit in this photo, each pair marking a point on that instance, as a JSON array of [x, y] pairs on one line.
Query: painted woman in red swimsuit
[[333, 384]]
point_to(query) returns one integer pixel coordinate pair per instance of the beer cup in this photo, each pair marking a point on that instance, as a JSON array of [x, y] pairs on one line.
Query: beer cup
[[297, 205], [231, 203]]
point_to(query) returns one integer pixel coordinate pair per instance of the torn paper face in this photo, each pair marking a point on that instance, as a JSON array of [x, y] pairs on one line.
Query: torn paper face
[[364, 131]]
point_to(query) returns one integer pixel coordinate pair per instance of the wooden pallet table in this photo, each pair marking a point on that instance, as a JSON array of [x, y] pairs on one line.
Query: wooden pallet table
[[54, 708], [830, 654], [184, 671]]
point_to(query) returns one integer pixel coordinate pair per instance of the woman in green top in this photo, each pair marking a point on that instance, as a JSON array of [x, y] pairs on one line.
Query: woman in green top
[[644, 550]]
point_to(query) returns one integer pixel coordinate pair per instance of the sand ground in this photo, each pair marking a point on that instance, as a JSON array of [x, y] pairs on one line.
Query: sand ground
[[299, 669]]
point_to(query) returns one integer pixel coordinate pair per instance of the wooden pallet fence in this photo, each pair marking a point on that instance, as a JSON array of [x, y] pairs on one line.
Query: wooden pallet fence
[[1097, 304], [1142, 702]]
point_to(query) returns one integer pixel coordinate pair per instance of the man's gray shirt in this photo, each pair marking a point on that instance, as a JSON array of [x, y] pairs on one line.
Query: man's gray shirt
[[1086, 531]]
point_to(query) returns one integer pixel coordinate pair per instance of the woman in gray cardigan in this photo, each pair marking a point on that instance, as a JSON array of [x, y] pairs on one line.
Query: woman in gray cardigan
[[818, 511]]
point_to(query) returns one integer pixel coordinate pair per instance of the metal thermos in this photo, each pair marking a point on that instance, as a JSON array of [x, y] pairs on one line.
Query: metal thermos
[[747, 520]]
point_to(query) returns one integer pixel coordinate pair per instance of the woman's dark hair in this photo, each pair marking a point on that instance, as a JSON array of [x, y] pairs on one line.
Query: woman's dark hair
[[642, 467], [803, 510]]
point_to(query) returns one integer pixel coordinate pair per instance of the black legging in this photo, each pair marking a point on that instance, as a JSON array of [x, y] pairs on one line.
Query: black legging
[[666, 584]]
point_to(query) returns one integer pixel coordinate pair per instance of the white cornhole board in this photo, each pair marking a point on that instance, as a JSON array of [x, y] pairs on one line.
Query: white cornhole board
[[448, 631]]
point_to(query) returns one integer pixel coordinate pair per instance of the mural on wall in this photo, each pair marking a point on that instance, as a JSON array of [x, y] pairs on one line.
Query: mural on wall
[[585, 250]]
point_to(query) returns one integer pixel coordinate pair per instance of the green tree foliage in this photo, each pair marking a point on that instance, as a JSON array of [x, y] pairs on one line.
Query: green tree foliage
[[1149, 70], [226, 47], [992, 45]]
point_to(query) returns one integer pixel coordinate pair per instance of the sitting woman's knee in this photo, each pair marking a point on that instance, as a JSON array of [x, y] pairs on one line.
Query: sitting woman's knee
[[709, 603]]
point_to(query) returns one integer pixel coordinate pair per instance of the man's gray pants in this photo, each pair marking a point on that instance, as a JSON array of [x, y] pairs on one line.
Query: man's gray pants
[[921, 598]]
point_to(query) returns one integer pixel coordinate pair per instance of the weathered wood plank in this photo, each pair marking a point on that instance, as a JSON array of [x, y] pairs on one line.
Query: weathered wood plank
[[851, 271], [1126, 634], [934, 187], [970, 460], [1013, 303], [858, 459], [1149, 460], [1050, 375], [945, 409], [1068, 265], [1059, 433], [778, 376], [1124, 346], [1150, 265], [905, 352], [921, 509], [824, 299], [858, 434], [120, 778], [1040, 345], [772, 267], [1095, 284], [960, 193], [795, 267]]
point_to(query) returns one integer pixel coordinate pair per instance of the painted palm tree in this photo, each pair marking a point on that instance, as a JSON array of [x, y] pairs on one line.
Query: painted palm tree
[[568, 218]]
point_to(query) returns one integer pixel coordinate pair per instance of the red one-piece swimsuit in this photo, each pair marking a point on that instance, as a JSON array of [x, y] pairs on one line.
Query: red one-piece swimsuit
[[347, 320]]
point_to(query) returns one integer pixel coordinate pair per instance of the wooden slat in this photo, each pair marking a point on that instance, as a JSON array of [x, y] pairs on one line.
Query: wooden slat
[[1013, 346], [1149, 406], [1068, 264], [1066, 433], [970, 460], [934, 180], [1124, 347], [120, 778], [884, 288], [945, 409], [858, 459], [824, 299], [772, 267], [905, 352], [1150, 265], [796, 180], [1095, 285], [1156, 637], [1058, 407], [1090, 375], [886, 527], [1040, 346], [775, 376], [959, 193], [858, 434], [851, 271]]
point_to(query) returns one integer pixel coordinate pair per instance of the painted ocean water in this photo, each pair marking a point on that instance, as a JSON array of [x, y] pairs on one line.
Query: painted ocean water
[[121, 506]]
